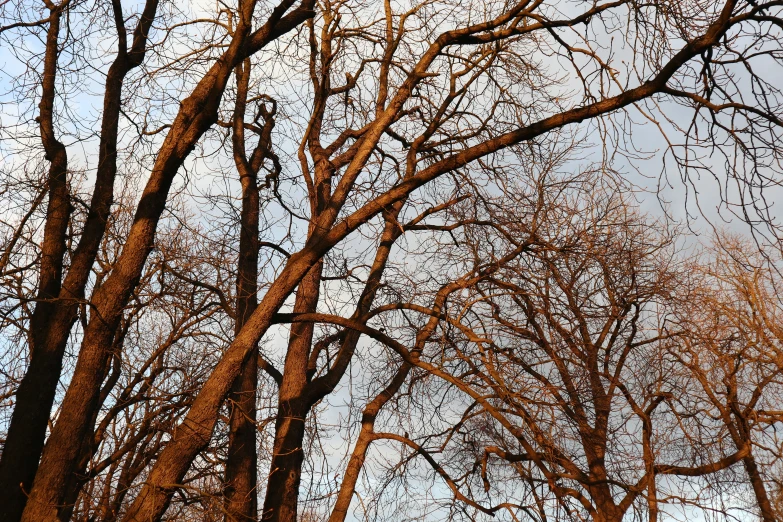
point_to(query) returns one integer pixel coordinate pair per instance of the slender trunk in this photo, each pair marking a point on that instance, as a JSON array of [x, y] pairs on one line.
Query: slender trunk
[[28, 425], [649, 463], [392, 231], [51, 324], [366, 436], [766, 510], [282, 492], [322, 387], [242, 461], [297, 394], [60, 456], [353, 470]]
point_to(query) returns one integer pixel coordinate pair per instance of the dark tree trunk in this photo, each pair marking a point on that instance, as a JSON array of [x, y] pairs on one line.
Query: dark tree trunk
[[56, 312], [28, 424], [282, 492], [757, 482], [242, 461]]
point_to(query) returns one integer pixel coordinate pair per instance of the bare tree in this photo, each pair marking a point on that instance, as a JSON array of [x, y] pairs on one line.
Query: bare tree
[[383, 116], [733, 352], [573, 345]]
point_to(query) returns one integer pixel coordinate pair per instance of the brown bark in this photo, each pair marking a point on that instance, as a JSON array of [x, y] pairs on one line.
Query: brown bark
[[60, 456], [51, 323], [199, 111], [735, 418], [285, 472], [28, 426], [242, 461], [194, 433], [235, 376]]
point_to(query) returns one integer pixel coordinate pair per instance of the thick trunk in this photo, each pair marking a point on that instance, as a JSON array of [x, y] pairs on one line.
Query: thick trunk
[[282, 491], [28, 425], [766, 511], [599, 489], [29, 422], [242, 460], [608, 512], [89, 445], [62, 456], [603, 503], [649, 464], [51, 323]]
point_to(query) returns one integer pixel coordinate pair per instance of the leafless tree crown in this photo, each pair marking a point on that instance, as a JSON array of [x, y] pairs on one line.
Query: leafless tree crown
[[394, 260]]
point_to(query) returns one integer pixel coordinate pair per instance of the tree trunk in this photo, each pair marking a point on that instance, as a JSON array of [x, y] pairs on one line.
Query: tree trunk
[[242, 462], [366, 436], [766, 510], [52, 320], [740, 431], [282, 492], [28, 424], [649, 464]]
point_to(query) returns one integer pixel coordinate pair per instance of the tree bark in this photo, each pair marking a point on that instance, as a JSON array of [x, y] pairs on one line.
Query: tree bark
[[28, 424], [60, 456], [53, 319], [242, 461]]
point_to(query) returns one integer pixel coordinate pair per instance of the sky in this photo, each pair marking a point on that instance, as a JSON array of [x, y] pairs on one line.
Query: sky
[[696, 203]]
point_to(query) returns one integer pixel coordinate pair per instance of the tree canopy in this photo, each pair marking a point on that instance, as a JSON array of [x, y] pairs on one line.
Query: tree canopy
[[395, 260]]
